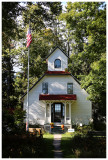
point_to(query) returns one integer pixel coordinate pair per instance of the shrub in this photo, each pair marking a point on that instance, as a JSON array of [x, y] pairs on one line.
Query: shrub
[[23, 146], [100, 126]]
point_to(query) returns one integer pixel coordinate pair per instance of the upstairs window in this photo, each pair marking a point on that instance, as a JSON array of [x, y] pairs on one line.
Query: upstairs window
[[70, 88], [57, 63], [45, 87]]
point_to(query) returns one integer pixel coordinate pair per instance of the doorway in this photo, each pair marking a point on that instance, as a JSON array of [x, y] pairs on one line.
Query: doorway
[[57, 112]]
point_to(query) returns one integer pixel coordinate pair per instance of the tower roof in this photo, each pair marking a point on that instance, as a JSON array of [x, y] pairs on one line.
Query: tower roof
[[55, 49]]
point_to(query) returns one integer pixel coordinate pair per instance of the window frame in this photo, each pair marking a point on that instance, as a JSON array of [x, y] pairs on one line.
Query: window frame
[[67, 88], [44, 88], [55, 61]]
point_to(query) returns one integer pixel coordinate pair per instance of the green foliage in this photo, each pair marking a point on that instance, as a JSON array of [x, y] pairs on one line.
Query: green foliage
[[48, 148], [22, 146], [87, 24], [100, 126], [13, 121], [19, 116], [78, 146], [84, 34], [10, 11], [7, 80], [44, 39], [83, 130], [7, 121], [26, 146]]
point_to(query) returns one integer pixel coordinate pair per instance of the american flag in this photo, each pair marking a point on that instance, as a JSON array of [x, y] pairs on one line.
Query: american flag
[[29, 37]]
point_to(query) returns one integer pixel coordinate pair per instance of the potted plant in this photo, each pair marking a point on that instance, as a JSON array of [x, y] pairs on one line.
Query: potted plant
[[62, 126], [52, 125]]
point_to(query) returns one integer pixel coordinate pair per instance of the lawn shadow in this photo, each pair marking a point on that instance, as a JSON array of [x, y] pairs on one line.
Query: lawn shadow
[[27, 147], [83, 147]]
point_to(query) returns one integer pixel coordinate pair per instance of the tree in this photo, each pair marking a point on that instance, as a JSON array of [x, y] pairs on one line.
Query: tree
[[44, 37], [87, 23], [10, 11]]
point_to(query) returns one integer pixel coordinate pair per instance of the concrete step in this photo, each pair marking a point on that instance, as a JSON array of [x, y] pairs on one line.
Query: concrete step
[[57, 130]]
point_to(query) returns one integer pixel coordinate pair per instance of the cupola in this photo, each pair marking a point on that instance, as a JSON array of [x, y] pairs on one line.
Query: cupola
[[57, 60]]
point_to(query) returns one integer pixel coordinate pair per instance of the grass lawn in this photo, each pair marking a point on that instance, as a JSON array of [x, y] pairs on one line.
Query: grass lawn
[[47, 147], [66, 145], [76, 146]]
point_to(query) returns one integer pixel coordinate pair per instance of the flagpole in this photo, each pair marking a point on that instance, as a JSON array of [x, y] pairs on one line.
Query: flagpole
[[27, 121], [27, 127]]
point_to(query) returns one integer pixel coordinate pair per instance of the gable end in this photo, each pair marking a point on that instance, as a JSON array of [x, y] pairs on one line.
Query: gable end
[[54, 50]]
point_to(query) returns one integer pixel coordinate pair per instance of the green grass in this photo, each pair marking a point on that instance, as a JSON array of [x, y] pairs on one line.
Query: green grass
[[47, 147], [66, 145], [76, 146]]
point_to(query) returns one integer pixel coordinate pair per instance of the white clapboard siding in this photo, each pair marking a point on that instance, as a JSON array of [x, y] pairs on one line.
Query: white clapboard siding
[[81, 108], [57, 54]]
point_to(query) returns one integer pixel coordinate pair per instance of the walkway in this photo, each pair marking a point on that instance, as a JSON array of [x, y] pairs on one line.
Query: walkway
[[57, 148]]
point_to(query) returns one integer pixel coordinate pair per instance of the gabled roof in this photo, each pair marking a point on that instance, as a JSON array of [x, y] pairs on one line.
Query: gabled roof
[[55, 49], [57, 73]]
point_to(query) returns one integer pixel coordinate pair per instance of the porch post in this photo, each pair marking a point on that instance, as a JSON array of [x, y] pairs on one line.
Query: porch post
[[50, 111], [45, 111], [65, 113], [70, 112]]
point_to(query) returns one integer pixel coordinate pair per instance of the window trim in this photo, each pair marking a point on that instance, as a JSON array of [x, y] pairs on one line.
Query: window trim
[[67, 88], [60, 63]]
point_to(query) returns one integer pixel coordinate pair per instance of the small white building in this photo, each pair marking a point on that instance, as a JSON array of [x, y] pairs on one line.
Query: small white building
[[57, 96]]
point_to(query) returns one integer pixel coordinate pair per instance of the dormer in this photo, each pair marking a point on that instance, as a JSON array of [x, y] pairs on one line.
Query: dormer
[[57, 60]]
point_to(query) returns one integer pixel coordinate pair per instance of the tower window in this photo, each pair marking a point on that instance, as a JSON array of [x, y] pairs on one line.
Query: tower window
[[57, 63]]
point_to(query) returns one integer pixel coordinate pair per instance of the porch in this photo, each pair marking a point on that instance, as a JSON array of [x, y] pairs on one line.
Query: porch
[[58, 109], [58, 113]]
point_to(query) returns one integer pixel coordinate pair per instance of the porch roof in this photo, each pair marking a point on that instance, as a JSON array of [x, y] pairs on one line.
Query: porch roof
[[57, 97]]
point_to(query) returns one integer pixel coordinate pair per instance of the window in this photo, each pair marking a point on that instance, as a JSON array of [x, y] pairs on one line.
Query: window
[[58, 108], [45, 87], [57, 63], [70, 88]]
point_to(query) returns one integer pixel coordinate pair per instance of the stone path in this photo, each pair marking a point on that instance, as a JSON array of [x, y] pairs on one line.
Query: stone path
[[57, 146]]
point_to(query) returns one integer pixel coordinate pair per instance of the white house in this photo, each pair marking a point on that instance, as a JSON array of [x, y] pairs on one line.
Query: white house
[[57, 96]]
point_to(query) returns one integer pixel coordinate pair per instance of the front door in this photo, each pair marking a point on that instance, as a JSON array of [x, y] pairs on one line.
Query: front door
[[57, 112]]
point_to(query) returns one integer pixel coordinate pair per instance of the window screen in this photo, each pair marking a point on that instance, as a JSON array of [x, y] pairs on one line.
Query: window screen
[[45, 87], [70, 88]]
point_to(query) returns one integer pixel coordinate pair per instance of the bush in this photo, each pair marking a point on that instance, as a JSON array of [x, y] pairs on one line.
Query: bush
[[82, 130], [23, 146], [100, 126], [86, 147], [12, 121]]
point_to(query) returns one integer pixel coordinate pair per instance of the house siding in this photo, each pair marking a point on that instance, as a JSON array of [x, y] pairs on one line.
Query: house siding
[[80, 109], [57, 54]]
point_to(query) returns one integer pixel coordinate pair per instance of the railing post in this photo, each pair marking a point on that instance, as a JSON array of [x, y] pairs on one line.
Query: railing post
[[65, 112], [70, 112], [45, 111], [50, 111]]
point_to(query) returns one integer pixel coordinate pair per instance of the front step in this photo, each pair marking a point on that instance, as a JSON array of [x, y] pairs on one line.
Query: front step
[[57, 130]]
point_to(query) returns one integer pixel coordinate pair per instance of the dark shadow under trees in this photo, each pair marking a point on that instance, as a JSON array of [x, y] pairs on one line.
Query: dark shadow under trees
[[84, 147]]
